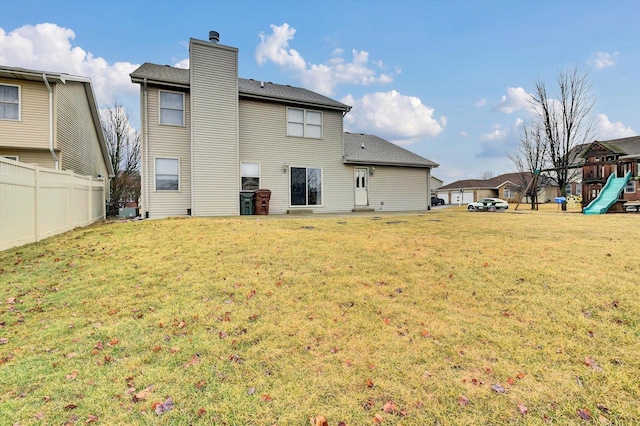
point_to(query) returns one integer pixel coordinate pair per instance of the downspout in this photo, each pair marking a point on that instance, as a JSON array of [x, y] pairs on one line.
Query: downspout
[[145, 163], [53, 153]]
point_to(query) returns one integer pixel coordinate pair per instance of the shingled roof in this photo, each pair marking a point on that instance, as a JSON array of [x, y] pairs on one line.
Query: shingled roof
[[625, 147], [369, 149], [518, 179], [165, 75]]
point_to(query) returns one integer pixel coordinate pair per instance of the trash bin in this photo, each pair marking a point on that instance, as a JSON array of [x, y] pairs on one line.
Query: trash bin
[[246, 203], [262, 197]]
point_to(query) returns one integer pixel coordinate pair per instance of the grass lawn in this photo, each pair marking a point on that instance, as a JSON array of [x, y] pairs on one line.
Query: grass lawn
[[447, 317]]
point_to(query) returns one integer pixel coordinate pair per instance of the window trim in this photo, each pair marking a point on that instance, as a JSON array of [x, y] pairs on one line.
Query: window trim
[[160, 92], [305, 124], [19, 102], [307, 205], [155, 174], [633, 185], [259, 173]]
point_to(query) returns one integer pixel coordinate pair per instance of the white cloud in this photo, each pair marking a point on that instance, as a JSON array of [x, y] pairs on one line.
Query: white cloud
[[603, 59], [322, 78], [605, 129], [48, 47], [464, 134], [398, 118], [275, 48], [482, 102], [515, 99], [182, 64], [500, 141]]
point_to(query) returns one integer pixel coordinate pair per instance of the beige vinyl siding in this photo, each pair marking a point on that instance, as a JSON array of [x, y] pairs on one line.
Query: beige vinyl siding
[[32, 131], [166, 142], [214, 139], [77, 136], [263, 139], [398, 188], [41, 158]]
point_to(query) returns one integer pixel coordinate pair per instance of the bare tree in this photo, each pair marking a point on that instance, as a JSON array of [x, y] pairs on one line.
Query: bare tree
[[123, 144], [529, 159], [566, 121], [486, 175]]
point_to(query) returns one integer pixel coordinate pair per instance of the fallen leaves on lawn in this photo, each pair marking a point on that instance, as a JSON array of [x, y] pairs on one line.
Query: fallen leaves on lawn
[[70, 407], [463, 401], [378, 418], [584, 414], [201, 411], [143, 394], [266, 397], [523, 409], [163, 407], [3, 340], [498, 388], [73, 375], [91, 418], [389, 407], [195, 359], [593, 364], [319, 421]]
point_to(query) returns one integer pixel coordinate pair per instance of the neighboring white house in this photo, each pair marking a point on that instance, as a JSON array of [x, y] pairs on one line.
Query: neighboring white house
[[208, 135]]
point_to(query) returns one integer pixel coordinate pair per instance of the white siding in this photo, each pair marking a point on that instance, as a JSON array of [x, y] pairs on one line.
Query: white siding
[[165, 142], [214, 138], [263, 139], [32, 131], [398, 189], [77, 135]]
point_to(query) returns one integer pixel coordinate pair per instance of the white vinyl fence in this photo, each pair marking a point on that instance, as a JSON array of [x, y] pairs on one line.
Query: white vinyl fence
[[36, 203]]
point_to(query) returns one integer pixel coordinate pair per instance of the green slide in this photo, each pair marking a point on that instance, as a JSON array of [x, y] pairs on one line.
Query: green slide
[[608, 194]]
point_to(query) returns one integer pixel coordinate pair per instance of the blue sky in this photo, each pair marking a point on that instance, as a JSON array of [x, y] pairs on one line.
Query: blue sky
[[447, 80]]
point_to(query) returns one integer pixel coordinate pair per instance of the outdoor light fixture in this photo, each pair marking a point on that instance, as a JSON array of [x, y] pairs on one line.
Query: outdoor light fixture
[[285, 167], [371, 170]]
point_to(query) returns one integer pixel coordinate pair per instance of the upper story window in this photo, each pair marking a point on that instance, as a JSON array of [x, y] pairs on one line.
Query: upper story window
[[304, 123], [171, 108], [250, 174], [9, 102]]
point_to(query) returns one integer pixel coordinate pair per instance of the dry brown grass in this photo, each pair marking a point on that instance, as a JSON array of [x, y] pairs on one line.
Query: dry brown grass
[[274, 321]]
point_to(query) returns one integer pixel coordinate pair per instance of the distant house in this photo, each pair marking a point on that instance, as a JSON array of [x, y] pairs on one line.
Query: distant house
[[435, 184], [51, 120], [603, 158], [508, 186], [208, 135]]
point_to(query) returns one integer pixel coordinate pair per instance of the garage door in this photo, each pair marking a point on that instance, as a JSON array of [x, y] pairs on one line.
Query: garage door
[[461, 197], [444, 196]]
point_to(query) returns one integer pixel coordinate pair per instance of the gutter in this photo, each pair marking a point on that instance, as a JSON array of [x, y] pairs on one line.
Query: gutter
[[145, 142], [53, 153]]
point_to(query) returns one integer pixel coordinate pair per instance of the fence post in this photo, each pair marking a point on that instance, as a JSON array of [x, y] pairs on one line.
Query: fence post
[[90, 199], [36, 195]]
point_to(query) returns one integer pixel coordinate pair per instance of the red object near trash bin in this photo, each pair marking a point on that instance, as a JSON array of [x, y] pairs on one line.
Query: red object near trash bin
[[262, 197]]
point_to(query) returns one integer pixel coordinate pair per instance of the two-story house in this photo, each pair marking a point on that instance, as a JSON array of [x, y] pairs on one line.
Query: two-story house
[[615, 156], [208, 135], [51, 120]]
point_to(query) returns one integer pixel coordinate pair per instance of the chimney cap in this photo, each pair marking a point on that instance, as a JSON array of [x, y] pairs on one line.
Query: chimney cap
[[214, 36]]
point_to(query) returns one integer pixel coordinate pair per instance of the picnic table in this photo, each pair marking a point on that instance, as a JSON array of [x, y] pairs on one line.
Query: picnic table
[[488, 205]]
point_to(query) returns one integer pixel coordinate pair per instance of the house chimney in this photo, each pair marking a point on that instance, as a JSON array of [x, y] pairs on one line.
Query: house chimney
[[214, 37]]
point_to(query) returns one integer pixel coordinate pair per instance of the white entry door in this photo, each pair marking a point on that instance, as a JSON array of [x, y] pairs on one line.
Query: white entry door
[[361, 182]]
